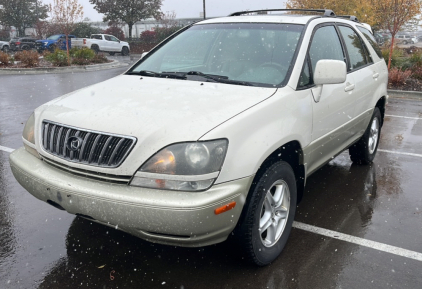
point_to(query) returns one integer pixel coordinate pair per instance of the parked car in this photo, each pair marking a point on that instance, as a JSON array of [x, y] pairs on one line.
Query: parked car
[[379, 38], [405, 39], [103, 42], [53, 42], [22, 43], [4, 46], [213, 132]]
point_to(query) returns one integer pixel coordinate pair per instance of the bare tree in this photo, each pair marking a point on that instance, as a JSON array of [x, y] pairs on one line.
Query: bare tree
[[395, 14], [66, 14]]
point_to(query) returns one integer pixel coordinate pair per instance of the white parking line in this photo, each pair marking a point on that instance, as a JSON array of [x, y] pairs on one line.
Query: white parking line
[[408, 117], [400, 153], [359, 241], [5, 149]]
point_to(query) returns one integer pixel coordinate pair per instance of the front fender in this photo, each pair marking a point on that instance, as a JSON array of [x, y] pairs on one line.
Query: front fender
[[257, 132]]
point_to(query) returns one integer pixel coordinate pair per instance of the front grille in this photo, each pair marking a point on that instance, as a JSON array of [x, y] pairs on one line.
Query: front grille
[[97, 149]]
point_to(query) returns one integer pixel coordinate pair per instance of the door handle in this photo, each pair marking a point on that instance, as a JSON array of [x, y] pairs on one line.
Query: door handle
[[375, 75], [349, 87]]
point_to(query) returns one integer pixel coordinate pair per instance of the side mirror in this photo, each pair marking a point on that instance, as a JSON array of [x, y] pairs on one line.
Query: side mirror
[[329, 71], [143, 54]]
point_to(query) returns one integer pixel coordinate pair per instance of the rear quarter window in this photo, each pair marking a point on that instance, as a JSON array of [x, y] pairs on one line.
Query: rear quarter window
[[371, 39]]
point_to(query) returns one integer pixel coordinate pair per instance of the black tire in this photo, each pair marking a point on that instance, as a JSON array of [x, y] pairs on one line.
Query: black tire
[[404, 42], [25, 47], [52, 48], [95, 48], [364, 151], [125, 51], [247, 232], [5, 48], [111, 53]]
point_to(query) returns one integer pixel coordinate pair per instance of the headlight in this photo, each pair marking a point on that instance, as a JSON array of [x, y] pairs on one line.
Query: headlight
[[192, 166], [29, 137], [28, 131]]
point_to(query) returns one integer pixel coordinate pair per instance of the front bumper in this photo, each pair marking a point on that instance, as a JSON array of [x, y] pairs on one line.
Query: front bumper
[[167, 217]]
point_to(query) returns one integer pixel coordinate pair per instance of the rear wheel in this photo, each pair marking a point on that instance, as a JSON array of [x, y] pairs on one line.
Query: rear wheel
[[125, 51], [5, 49], [95, 48], [363, 152], [268, 214]]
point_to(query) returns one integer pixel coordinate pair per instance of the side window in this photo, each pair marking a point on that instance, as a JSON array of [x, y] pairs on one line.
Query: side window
[[108, 38], [114, 39], [371, 39], [305, 76], [354, 47], [325, 45]]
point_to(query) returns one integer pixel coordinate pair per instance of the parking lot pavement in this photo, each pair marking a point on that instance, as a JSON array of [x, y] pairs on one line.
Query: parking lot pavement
[[357, 226]]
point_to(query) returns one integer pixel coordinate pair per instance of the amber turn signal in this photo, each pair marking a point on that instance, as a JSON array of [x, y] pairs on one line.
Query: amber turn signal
[[225, 208]]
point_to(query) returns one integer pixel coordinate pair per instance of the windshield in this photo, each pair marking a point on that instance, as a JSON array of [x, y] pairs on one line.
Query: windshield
[[260, 54], [53, 37]]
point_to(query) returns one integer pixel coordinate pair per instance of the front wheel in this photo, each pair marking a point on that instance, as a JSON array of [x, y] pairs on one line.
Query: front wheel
[[268, 214], [125, 51], [363, 152]]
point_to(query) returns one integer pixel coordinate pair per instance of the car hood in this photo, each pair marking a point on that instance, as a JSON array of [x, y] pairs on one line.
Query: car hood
[[156, 111]]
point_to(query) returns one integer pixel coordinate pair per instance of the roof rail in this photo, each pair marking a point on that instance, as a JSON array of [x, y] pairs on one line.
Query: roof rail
[[350, 17], [327, 12]]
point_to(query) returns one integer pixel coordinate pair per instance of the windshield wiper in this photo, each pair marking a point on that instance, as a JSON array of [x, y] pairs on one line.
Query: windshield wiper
[[219, 78], [157, 74]]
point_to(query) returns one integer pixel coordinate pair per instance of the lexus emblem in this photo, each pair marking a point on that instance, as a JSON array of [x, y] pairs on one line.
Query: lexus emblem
[[74, 143]]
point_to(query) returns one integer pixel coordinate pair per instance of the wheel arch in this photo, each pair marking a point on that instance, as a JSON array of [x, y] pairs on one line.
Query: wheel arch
[[381, 103], [291, 153]]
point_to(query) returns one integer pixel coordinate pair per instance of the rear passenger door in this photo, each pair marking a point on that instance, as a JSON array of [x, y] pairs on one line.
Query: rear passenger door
[[335, 107], [365, 74]]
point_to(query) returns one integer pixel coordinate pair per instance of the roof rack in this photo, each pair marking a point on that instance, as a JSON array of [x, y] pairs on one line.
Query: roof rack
[[350, 17], [327, 12]]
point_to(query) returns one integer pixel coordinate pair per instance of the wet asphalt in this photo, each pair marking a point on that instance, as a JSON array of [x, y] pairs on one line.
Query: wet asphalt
[[42, 247]]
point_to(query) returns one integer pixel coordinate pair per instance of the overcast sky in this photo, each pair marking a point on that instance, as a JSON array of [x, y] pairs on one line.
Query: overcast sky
[[192, 8]]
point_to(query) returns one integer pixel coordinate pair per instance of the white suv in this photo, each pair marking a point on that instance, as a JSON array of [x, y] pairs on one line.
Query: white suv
[[213, 132]]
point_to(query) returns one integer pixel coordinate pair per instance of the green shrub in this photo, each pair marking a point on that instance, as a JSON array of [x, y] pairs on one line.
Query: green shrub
[[397, 59], [84, 53], [28, 58], [58, 57], [416, 59]]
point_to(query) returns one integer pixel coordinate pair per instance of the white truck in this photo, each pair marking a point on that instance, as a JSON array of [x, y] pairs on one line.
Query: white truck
[[104, 43]]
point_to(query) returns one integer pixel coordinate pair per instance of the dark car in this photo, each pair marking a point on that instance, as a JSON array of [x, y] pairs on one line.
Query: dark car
[[22, 43]]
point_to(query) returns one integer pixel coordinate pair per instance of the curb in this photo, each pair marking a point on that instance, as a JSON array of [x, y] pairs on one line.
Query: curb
[[405, 94], [44, 70]]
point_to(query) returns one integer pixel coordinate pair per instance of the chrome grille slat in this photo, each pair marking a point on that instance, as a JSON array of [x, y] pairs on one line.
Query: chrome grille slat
[[64, 143], [45, 134], [113, 155], [52, 138], [104, 149], [83, 146], [97, 148], [59, 138]]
